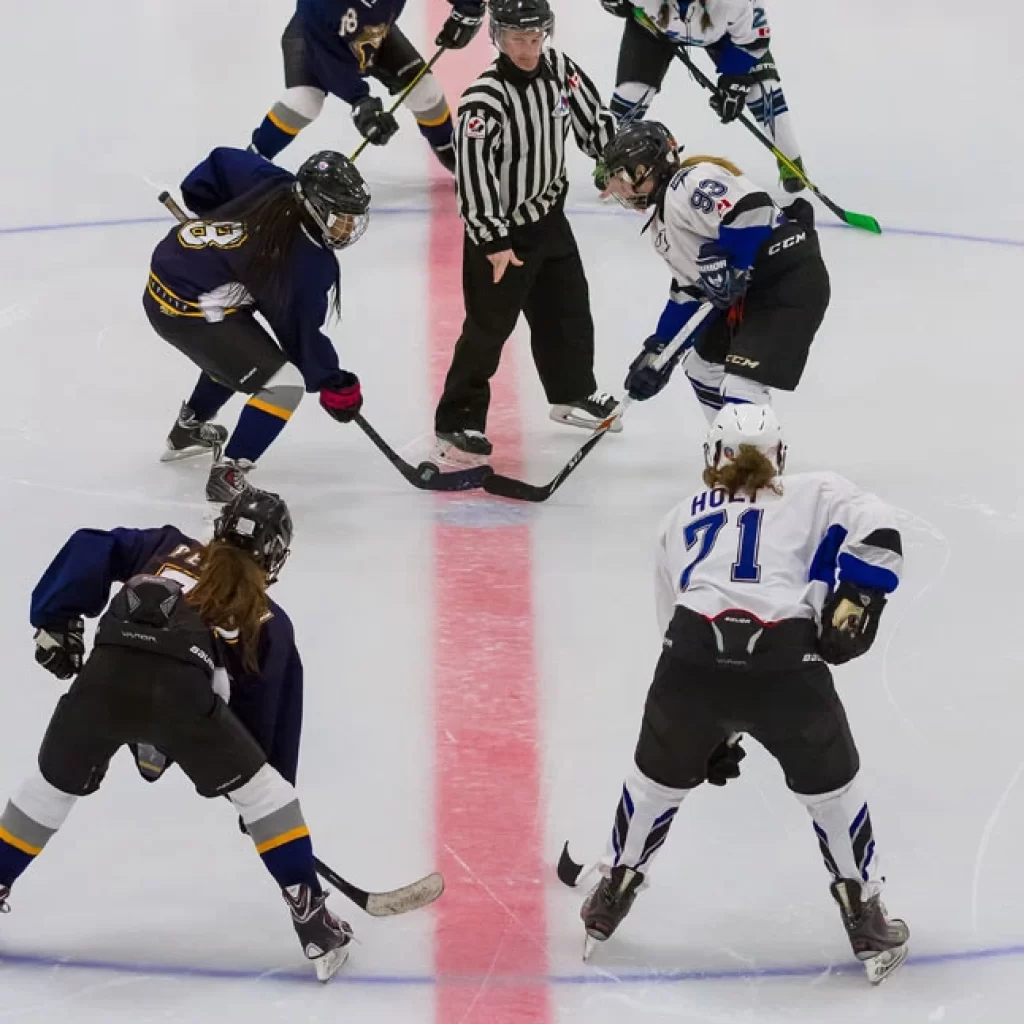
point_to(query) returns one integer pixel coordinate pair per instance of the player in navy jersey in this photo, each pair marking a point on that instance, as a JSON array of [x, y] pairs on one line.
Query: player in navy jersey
[[334, 46], [726, 242], [192, 663], [762, 582], [263, 241]]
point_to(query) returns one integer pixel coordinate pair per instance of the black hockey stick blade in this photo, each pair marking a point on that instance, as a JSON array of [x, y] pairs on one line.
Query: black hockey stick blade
[[420, 893], [520, 490], [568, 870], [426, 476]]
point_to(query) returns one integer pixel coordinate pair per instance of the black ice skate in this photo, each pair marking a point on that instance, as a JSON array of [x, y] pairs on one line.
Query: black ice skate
[[189, 437], [325, 938], [588, 413], [608, 904], [227, 479], [880, 943], [459, 450], [5, 891]]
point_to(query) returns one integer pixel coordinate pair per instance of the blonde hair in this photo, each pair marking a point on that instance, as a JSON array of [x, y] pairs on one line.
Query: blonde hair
[[750, 472], [232, 594], [721, 161]]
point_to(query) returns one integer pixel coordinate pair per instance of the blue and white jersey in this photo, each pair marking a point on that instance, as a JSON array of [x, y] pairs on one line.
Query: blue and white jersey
[[777, 556], [736, 31]]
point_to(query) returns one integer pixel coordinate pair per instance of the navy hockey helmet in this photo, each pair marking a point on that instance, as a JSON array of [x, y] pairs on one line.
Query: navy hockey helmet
[[639, 152], [521, 15], [259, 523], [335, 196]]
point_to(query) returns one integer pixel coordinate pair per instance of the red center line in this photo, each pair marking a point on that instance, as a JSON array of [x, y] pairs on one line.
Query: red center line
[[490, 924]]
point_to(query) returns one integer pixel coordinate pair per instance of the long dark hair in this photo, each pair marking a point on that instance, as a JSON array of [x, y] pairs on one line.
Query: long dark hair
[[751, 471], [273, 218], [232, 594]]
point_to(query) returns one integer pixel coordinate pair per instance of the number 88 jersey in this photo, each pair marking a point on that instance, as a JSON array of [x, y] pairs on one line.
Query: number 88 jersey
[[777, 555]]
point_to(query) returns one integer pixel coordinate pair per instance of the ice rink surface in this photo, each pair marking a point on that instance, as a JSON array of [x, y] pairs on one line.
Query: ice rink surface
[[476, 670]]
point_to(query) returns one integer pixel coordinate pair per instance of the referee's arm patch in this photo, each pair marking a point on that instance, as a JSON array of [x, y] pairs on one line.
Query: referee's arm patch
[[476, 127]]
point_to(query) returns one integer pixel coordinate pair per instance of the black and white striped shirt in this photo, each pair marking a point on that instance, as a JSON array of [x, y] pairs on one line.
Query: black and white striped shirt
[[510, 144]]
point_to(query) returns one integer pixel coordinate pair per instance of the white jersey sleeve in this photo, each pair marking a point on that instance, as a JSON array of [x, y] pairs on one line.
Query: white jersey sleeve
[[777, 556], [707, 23]]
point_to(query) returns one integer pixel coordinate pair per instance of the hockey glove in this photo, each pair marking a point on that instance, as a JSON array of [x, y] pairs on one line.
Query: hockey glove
[[643, 381], [60, 650], [620, 8], [724, 762], [373, 122], [720, 281], [730, 97], [849, 622], [344, 398], [462, 24]]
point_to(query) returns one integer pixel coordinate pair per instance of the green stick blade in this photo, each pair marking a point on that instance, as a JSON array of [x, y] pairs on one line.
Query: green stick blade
[[862, 221]]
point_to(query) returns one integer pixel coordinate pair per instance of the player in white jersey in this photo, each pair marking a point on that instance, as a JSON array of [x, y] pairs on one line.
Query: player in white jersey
[[760, 583], [727, 242], [737, 37]]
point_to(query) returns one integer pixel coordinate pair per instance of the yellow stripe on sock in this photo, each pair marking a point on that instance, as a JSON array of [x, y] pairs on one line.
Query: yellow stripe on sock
[[285, 837], [436, 124], [273, 410], [278, 123], [19, 844]]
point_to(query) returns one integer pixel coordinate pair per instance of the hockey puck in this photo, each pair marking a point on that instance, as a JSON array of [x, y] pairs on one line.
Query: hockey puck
[[426, 471], [568, 870]]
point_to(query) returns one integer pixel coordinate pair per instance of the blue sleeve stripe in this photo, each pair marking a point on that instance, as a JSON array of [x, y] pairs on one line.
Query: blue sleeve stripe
[[823, 565], [865, 574], [674, 318], [743, 243], [731, 60]]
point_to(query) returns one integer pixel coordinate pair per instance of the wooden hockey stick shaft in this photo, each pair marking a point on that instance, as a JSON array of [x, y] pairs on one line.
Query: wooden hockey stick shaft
[[857, 220], [402, 95]]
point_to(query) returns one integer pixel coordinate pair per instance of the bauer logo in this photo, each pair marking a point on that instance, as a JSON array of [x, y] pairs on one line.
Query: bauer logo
[[476, 128], [201, 655]]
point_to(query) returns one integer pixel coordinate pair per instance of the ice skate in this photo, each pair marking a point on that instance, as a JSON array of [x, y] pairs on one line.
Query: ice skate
[[459, 450], [189, 438], [588, 413], [227, 479], [879, 943], [607, 905], [325, 938], [5, 891], [790, 182]]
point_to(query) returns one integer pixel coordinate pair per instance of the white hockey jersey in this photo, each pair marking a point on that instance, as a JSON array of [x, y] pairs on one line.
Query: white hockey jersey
[[742, 22], [777, 556]]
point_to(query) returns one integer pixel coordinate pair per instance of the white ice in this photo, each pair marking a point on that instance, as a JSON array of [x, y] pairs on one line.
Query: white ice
[[906, 111]]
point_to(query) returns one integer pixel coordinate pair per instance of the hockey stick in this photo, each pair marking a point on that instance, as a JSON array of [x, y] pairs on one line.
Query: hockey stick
[[570, 873], [855, 220], [426, 476], [520, 490], [420, 893], [401, 96]]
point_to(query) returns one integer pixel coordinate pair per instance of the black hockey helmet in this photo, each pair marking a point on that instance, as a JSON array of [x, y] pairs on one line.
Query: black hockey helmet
[[639, 151], [259, 523], [335, 197], [524, 15]]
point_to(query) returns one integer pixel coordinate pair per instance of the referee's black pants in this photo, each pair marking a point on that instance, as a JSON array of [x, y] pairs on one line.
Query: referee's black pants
[[551, 290]]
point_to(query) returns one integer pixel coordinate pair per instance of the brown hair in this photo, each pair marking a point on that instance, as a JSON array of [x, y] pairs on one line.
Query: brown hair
[[750, 471], [721, 161], [665, 16], [232, 594]]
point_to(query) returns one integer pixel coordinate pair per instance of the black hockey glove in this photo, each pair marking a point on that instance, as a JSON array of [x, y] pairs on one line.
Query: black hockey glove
[[724, 762], [60, 649], [849, 622], [620, 8], [643, 381], [373, 122], [461, 25], [730, 97], [720, 281]]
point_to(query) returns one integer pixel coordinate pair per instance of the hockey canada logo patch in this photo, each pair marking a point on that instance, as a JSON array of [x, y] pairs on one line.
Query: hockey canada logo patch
[[476, 128], [574, 80]]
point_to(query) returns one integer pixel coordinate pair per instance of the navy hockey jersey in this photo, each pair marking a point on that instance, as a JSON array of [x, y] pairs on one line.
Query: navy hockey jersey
[[196, 270], [78, 581]]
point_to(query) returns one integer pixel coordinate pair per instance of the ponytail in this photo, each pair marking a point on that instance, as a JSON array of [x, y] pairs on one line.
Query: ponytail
[[750, 472]]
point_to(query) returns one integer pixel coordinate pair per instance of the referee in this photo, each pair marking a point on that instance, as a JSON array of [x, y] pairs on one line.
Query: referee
[[519, 253]]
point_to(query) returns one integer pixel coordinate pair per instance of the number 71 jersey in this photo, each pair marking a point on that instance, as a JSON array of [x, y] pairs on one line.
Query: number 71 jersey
[[778, 555]]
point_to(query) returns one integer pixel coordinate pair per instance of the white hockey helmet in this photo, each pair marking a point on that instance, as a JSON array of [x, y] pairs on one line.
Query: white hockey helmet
[[735, 425]]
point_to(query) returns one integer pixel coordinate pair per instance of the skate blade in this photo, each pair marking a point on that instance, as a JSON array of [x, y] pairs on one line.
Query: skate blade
[[181, 454], [879, 967], [590, 943], [589, 423], [328, 965]]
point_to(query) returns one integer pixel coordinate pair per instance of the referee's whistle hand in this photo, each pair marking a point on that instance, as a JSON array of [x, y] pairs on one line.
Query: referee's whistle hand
[[500, 261]]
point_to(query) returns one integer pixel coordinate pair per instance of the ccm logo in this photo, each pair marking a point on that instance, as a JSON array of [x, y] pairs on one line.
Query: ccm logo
[[750, 364], [787, 243]]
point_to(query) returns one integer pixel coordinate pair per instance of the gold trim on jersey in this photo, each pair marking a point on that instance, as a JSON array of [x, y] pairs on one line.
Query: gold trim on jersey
[[175, 305], [369, 39]]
